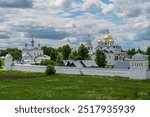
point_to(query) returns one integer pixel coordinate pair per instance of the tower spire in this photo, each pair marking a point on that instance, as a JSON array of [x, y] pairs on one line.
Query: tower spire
[[39, 45], [32, 42], [26, 45], [107, 31]]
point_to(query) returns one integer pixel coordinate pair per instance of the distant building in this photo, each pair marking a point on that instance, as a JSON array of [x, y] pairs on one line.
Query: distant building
[[89, 45], [139, 67], [33, 54], [113, 52]]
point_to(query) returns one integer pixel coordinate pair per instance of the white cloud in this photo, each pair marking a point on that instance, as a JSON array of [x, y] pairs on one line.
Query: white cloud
[[91, 4], [53, 4], [69, 40], [77, 21]]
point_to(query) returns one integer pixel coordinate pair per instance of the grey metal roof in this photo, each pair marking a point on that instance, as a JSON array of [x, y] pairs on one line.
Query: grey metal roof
[[89, 63], [139, 57], [80, 63], [122, 65]]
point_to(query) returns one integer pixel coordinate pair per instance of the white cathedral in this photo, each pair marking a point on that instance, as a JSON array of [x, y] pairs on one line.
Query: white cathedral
[[113, 52], [32, 55]]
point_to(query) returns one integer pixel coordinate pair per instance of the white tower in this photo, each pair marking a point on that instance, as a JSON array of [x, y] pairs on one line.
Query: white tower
[[89, 45], [8, 62], [138, 66]]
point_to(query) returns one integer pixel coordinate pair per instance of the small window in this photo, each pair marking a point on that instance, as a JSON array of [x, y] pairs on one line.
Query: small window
[[141, 64]]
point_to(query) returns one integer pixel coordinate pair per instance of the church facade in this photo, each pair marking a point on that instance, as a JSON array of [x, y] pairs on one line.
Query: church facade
[[32, 55], [112, 51]]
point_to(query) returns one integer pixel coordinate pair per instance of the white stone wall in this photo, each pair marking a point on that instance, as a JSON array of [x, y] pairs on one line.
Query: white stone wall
[[74, 70], [139, 74], [29, 68], [67, 70], [139, 69], [105, 72], [148, 74], [93, 71]]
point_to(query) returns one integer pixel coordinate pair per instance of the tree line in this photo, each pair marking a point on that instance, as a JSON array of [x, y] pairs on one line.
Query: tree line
[[67, 53]]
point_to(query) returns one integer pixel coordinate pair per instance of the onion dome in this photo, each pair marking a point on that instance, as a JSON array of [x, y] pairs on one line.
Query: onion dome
[[108, 37]]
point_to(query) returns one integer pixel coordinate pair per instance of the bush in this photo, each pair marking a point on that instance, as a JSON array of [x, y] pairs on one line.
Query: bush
[[47, 62], [50, 70]]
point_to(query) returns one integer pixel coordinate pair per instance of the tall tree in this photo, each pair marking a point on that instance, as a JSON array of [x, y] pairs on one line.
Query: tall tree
[[131, 52], [148, 53], [100, 58], [74, 55], [83, 52], [66, 50], [15, 52], [50, 52]]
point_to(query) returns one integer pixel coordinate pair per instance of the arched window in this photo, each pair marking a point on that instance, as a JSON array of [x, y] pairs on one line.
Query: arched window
[[109, 56], [116, 57]]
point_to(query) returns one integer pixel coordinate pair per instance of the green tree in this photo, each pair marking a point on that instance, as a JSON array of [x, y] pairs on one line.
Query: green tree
[[148, 53], [131, 52], [15, 52], [100, 58], [66, 50], [59, 49], [50, 52], [59, 58], [83, 52], [47, 62], [74, 55]]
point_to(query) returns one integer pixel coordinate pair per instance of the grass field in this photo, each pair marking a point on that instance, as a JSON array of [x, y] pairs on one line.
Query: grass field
[[37, 86]]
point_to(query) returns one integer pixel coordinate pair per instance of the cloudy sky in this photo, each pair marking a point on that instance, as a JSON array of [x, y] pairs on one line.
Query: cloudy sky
[[58, 22]]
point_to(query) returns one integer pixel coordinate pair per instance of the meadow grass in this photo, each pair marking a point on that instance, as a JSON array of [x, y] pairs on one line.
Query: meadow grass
[[15, 85]]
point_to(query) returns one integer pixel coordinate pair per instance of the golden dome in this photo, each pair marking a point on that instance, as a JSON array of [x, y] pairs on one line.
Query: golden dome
[[100, 40], [108, 37]]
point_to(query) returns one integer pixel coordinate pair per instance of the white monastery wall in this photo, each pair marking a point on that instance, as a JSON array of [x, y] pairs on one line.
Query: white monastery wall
[[67, 70], [74, 70], [137, 70], [138, 74], [148, 74], [106, 72], [29, 68], [92, 71]]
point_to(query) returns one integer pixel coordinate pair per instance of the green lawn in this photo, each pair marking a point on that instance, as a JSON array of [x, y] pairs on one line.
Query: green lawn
[[37, 86]]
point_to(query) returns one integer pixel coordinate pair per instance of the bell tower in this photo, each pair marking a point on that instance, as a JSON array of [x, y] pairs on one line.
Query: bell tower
[[89, 45], [32, 42], [138, 67]]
